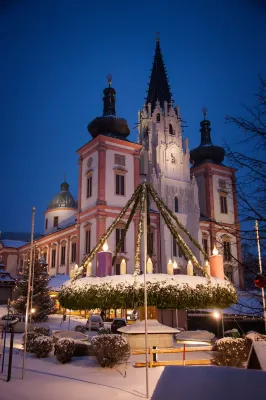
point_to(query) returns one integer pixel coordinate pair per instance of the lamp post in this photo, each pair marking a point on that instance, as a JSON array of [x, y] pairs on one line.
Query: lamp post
[[145, 290], [260, 268]]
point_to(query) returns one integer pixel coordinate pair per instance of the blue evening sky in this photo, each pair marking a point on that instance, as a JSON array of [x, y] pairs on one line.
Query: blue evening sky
[[55, 55]]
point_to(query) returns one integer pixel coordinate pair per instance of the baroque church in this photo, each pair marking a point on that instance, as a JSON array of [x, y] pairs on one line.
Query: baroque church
[[203, 195]]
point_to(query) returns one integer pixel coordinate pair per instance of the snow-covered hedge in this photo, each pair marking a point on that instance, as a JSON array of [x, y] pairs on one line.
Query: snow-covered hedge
[[30, 345], [164, 291], [232, 352], [110, 350], [64, 350], [105, 331], [43, 345], [80, 328], [41, 330]]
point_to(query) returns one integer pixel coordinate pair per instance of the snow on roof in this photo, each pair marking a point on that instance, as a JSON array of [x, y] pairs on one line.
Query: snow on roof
[[57, 281], [13, 243], [164, 279], [153, 326]]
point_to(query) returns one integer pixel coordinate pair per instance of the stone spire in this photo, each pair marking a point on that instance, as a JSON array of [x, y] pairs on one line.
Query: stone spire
[[159, 88]]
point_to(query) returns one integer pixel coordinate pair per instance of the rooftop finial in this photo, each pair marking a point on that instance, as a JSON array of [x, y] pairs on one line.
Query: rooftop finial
[[204, 112], [109, 79], [157, 36]]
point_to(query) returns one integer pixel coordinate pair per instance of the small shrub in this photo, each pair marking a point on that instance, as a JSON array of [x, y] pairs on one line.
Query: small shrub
[[231, 352], [80, 328], [110, 350], [42, 330], [30, 345], [105, 331], [64, 350], [43, 345]]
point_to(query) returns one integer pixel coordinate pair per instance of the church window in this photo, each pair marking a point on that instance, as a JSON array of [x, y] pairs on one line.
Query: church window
[[46, 223], [205, 245], [73, 252], [45, 256], [118, 233], [176, 204], [227, 250], [223, 204], [120, 159], [228, 271], [158, 117], [89, 186], [222, 184], [63, 255], [87, 241], [53, 258], [55, 222], [171, 130], [120, 184]]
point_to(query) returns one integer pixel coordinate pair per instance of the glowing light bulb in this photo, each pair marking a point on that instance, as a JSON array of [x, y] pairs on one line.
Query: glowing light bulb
[[215, 251], [105, 246], [216, 315], [170, 261]]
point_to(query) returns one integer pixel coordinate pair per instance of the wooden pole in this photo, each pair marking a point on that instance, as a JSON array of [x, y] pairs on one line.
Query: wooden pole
[[29, 291], [145, 290]]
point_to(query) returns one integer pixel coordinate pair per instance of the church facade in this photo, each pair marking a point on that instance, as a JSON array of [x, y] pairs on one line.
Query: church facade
[[202, 196]]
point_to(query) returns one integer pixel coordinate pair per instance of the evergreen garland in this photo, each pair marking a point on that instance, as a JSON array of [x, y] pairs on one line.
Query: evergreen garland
[[143, 194], [163, 295]]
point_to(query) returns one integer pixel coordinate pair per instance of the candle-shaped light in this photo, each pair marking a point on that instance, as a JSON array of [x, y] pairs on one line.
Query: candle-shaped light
[[216, 264], [189, 268], [149, 266], [89, 269], [104, 262], [207, 268], [123, 267], [170, 267]]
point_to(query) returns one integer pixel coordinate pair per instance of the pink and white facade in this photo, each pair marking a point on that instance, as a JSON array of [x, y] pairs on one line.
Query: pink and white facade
[[108, 174]]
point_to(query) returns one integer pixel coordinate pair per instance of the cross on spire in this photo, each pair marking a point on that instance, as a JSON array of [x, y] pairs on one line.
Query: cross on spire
[[109, 79], [204, 112]]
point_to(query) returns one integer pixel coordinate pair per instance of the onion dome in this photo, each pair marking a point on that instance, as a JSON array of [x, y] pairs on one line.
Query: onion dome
[[109, 124], [206, 151], [64, 199]]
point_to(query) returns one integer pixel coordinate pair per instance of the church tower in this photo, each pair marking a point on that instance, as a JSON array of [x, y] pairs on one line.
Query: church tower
[[218, 202], [160, 133]]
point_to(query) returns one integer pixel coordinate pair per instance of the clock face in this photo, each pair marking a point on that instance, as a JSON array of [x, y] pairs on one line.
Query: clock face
[[89, 162]]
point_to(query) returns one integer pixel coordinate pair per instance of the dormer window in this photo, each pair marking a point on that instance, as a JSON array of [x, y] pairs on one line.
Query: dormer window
[[171, 130], [158, 117]]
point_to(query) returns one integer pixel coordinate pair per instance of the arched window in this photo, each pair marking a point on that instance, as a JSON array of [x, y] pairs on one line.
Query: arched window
[[171, 130], [158, 117], [176, 205], [146, 132]]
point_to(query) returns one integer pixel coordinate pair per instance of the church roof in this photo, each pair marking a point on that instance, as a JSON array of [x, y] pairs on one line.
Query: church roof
[[159, 88], [64, 199], [206, 151], [109, 124]]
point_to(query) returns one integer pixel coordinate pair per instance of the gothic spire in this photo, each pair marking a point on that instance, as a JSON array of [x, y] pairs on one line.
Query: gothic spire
[[159, 88]]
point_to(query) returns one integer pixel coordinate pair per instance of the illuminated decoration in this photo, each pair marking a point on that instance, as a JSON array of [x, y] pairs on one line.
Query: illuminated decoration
[[89, 269], [207, 268], [260, 281], [170, 267], [189, 268], [215, 252], [105, 246], [149, 266], [216, 315], [123, 267]]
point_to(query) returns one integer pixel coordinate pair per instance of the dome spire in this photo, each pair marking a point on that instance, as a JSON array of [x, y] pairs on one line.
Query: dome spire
[[206, 152], [109, 98], [159, 89]]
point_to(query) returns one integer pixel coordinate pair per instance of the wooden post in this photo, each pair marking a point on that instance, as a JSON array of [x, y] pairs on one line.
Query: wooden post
[[151, 357]]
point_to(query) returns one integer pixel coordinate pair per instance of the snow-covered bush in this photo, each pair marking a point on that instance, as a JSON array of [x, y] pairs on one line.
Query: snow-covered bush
[[232, 333], [80, 328], [231, 352], [43, 345], [110, 350], [42, 330], [30, 345], [105, 331], [64, 350]]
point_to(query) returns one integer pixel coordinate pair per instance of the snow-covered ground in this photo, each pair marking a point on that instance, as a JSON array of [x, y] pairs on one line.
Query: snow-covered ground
[[81, 379]]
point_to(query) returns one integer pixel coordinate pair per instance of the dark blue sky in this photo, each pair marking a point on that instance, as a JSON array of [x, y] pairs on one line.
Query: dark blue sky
[[55, 55]]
